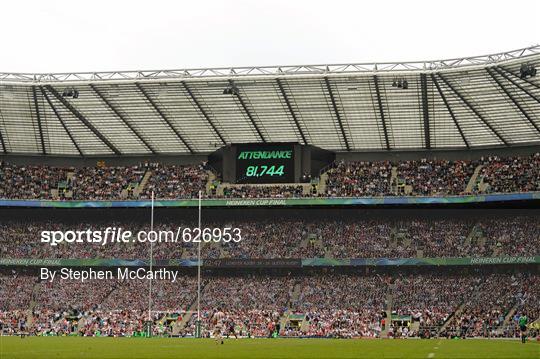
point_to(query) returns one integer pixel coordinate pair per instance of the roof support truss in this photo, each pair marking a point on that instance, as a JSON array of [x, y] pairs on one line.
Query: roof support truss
[[247, 112], [44, 93], [381, 111], [452, 115], [121, 117], [291, 111], [203, 111], [474, 110], [83, 119], [252, 71], [38, 116], [425, 110], [336, 112], [509, 95], [163, 116]]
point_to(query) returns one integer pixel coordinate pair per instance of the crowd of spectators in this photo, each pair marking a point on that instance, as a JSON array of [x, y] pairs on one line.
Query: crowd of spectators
[[527, 303], [343, 306], [430, 299], [90, 308], [272, 239], [175, 181], [483, 236], [435, 177], [359, 179], [488, 302], [329, 305], [29, 182], [340, 305], [250, 302], [101, 182], [511, 174], [344, 179], [12, 283], [516, 235], [104, 183]]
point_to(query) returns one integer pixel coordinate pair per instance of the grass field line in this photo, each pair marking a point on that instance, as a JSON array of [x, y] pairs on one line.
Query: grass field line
[[436, 347]]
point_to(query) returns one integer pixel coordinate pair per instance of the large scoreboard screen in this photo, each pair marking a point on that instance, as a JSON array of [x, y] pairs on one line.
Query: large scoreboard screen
[[265, 163]]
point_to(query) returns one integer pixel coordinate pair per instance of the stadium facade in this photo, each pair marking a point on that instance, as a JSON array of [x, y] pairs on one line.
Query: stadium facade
[[365, 242]]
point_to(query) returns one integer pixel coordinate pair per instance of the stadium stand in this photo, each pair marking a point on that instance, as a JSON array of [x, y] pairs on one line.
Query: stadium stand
[[299, 271], [337, 305], [511, 174], [331, 302], [349, 179], [104, 183], [480, 236], [344, 179], [171, 182]]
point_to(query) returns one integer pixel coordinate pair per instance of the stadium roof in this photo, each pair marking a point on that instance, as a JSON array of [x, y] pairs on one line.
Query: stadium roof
[[449, 104]]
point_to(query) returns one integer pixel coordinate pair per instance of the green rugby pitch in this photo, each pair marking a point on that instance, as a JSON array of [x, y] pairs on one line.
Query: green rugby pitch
[[120, 348]]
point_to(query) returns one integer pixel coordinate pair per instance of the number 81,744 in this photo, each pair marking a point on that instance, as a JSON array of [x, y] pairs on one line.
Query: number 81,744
[[263, 170]]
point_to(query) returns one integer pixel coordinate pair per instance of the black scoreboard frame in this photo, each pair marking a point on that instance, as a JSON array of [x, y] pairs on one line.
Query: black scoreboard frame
[[305, 163]]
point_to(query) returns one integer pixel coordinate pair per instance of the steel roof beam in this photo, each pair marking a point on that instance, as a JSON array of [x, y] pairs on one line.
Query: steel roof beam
[[121, 117], [203, 111], [61, 121], [503, 74], [291, 111], [474, 110], [38, 116], [83, 119], [509, 95], [381, 111], [259, 71], [452, 115], [336, 112], [425, 110], [246, 111], [163, 116], [4, 150]]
